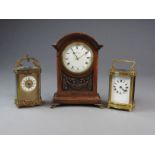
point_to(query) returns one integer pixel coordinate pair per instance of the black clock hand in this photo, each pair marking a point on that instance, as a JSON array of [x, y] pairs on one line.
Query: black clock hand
[[83, 54], [75, 55], [123, 89]]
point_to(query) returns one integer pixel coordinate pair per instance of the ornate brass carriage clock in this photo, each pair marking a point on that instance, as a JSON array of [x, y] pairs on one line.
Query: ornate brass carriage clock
[[28, 82], [122, 86], [77, 69]]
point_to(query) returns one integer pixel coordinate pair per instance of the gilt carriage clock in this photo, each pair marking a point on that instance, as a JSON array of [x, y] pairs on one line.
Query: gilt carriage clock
[[28, 82], [77, 69], [122, 86]]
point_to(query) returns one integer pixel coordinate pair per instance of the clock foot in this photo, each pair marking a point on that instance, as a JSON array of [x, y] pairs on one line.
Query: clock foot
[[130, 110], [108, 106], [54, 105], [131, 107], [101, 106]]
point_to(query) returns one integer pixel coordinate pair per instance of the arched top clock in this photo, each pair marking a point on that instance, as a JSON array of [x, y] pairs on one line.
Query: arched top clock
[[77, 67], [79, 37]]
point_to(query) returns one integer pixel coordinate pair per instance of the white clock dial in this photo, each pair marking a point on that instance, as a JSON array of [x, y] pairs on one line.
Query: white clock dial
[[77, 57], [120, 90], [28, 83]]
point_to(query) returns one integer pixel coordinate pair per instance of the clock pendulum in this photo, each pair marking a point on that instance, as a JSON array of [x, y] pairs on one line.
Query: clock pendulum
[[77, 70]]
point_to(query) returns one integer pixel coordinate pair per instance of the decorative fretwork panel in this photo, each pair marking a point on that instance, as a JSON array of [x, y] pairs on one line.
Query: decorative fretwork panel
[[75, 83]]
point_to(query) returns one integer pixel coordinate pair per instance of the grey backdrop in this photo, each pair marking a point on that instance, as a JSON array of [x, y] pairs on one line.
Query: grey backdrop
[[130, 39]]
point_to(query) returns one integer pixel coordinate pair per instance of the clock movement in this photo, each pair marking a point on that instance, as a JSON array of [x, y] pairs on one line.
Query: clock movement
[[28, 82], [122, 86], [77, 70]]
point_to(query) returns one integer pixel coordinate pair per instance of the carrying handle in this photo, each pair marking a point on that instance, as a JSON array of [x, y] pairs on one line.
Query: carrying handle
[[19, 63], [132, 67]]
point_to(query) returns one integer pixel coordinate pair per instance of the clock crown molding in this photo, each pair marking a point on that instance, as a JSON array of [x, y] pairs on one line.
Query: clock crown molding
[[77, 36]]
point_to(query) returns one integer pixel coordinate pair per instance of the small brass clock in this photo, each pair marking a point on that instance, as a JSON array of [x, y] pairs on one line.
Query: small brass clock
[[122, 86], [28, 82]]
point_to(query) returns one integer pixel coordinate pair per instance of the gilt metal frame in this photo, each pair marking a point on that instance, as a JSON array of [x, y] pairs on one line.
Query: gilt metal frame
[[123, 73], [19, 69]]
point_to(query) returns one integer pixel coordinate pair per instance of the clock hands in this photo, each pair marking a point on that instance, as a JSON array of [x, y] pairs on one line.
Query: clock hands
[[77, 58], [124, 90], [83, 55], [75, 55]]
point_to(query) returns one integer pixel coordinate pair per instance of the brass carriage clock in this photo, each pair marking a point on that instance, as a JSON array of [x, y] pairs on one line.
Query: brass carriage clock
[[28, 82], [77, 70], [122, 86]]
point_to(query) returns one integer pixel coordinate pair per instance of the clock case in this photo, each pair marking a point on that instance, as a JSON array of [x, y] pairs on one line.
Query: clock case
[[28, 99], [73, 88], [123, 73]]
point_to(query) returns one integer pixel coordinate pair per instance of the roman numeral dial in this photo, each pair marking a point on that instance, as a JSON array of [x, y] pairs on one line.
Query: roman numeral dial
[[121, 86], [77, 57], [28, 83]]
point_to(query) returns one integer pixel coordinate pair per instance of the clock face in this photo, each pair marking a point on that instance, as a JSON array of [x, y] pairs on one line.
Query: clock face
[[28, 83], [77, 57], [120, 90]]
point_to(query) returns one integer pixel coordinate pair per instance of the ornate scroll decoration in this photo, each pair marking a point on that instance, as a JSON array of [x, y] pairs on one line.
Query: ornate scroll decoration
[[24, 103], [77, 83], [19, 63]]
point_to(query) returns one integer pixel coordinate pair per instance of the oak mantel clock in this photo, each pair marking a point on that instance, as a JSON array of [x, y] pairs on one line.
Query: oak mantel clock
[[77, 70], [28, 82], [122, 86]]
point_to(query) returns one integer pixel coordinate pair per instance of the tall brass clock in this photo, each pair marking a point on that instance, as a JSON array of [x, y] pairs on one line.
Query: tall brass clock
[[28, 82], [77, 70], [122, 86]]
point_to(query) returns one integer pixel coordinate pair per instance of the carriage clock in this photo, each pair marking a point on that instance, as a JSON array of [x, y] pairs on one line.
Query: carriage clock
[[122, 86], [77, 69], [28, 82]]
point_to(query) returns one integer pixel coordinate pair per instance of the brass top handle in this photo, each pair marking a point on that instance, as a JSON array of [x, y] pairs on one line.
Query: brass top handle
[[19, 63], [132, 62]]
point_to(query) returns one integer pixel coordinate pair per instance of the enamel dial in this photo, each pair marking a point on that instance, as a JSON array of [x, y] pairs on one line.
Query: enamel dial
[[120, 89], [28, 83], [77, 57]]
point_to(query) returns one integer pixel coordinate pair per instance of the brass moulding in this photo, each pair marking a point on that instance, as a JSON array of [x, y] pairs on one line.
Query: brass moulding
[[122, 73], [28, 82], [26, 103], [128, 107]]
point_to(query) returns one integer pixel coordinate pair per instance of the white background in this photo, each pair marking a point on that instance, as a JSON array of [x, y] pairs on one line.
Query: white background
[[77, 145]]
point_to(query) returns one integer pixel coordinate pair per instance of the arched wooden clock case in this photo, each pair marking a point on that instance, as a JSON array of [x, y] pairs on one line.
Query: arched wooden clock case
[[75, 88]]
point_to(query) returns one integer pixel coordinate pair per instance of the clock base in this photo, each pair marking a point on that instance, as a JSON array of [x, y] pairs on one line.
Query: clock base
[[76, 100], [128, 107], [23, 103]]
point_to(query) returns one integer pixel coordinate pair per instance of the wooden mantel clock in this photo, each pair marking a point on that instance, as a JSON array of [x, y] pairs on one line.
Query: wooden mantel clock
[[77, 70]]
